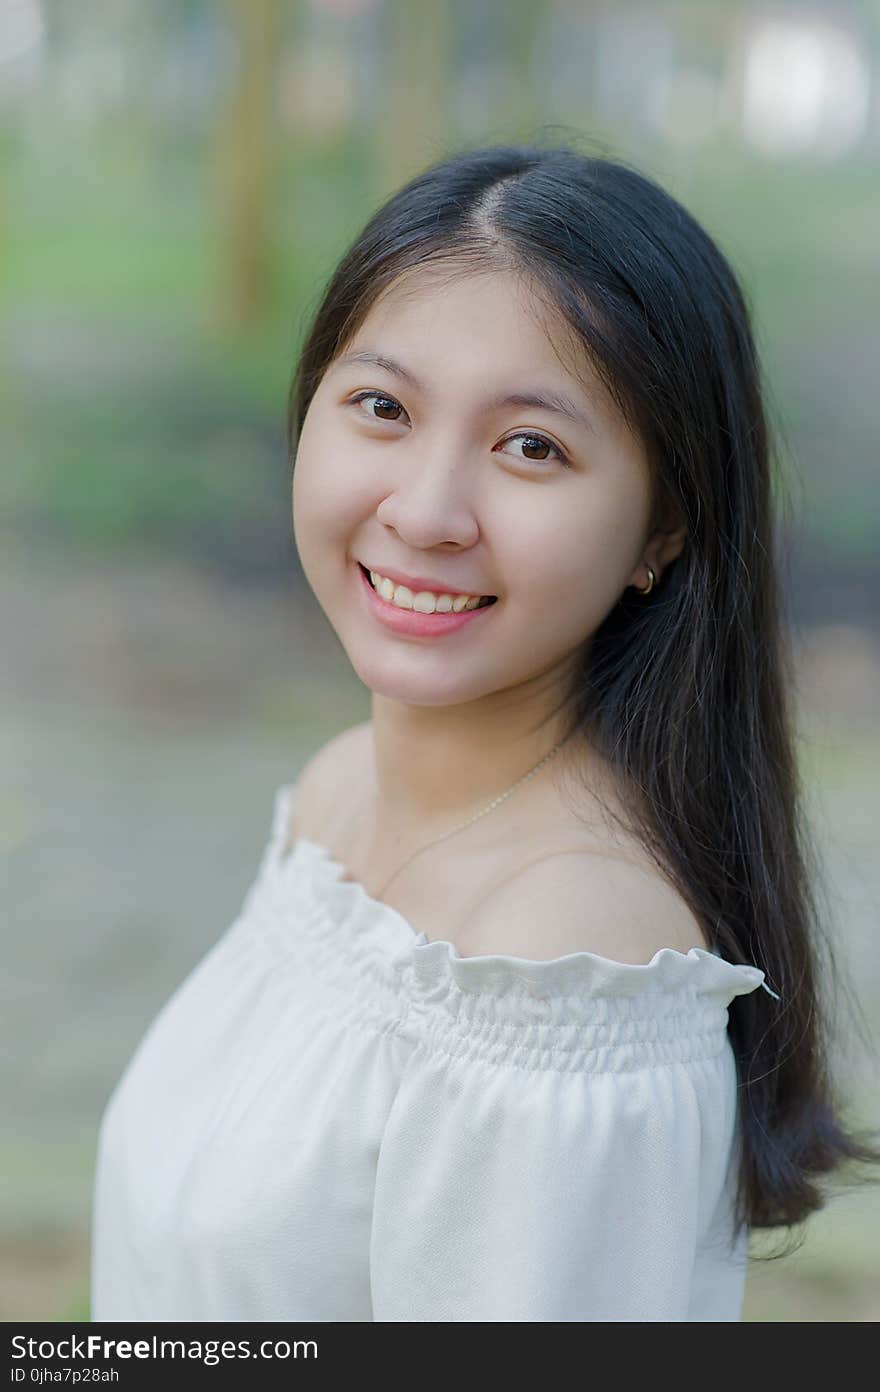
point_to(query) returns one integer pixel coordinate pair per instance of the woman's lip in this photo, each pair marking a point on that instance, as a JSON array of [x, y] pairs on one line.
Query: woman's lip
[[419, 582], [408, 622]]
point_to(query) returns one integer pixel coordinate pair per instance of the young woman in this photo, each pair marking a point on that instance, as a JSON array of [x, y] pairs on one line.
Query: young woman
[[519, 1020]]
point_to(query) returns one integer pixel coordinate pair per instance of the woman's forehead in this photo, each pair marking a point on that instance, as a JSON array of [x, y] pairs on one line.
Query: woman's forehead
[[428, 308], [510, 292]]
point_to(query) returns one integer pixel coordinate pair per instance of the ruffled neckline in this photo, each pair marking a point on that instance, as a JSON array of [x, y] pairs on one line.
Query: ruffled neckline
[[346, 901]]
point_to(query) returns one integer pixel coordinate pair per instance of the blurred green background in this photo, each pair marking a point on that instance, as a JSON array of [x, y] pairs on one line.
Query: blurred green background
[[176, 182]]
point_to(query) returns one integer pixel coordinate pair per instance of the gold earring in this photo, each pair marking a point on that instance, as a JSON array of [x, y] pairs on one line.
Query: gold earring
[[650, 585]]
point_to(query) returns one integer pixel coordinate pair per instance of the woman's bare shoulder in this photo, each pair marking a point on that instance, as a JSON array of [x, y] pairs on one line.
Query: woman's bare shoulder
[[320, 779], [584, 900]]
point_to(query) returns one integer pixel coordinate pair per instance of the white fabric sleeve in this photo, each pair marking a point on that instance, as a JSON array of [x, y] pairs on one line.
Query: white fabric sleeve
[[516, 1194]]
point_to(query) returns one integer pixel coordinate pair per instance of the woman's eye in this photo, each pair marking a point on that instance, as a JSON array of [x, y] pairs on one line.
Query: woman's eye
[[383, 403], [538, 442], [388, 409]]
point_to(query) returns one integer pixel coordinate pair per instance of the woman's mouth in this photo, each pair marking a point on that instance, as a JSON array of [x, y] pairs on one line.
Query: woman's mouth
[[413, 623]]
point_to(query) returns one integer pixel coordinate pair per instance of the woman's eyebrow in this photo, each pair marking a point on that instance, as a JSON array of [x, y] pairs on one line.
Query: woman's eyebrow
[[554, 401]]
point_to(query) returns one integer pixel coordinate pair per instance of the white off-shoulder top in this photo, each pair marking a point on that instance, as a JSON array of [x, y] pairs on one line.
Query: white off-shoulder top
[[335, 1119]]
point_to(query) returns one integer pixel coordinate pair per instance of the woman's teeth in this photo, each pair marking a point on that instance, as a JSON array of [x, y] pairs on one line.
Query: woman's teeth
[[425, 602]]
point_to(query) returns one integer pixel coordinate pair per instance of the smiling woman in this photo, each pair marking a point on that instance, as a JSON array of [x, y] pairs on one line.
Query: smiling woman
[[578, 1053], [547, 505]]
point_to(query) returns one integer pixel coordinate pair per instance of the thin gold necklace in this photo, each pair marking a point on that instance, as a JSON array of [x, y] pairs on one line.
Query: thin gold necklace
[[490, 807]]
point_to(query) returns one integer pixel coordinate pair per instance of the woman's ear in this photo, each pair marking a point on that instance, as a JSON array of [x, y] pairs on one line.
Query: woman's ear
[[667, 539]]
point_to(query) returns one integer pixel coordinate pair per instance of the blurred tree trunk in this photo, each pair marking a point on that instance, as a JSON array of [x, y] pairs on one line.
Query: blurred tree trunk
[[523, 110], [246, 159], [412, 127]]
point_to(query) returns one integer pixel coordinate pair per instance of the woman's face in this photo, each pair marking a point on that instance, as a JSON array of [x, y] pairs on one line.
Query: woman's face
[[428, 466]]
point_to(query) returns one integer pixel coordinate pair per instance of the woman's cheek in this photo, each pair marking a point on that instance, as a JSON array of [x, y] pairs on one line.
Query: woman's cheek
[[314, 516], [580, 580], [329, 518]]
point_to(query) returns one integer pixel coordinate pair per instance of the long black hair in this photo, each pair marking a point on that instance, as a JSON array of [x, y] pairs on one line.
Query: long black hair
[[688, 691]]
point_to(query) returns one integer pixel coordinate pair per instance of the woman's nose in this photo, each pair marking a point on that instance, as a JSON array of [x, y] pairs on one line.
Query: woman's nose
[[433, 501]]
